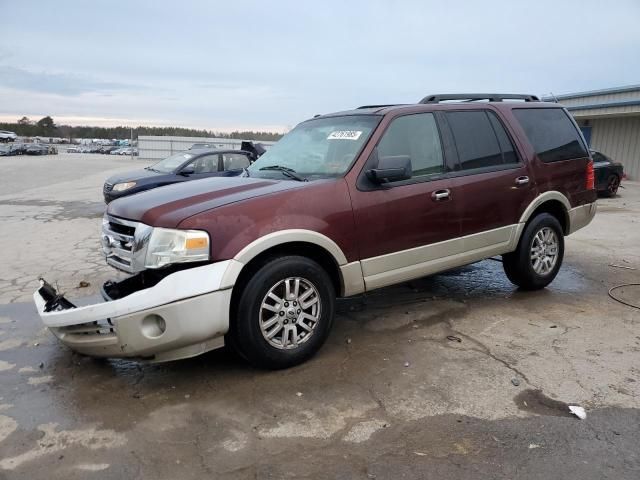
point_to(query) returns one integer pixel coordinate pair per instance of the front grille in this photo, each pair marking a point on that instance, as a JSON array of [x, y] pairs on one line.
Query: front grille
[[108, 187], [118, 242], [103, 327]]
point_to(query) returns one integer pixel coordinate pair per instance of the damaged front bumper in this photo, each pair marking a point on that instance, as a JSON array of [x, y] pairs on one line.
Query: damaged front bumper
[[184, 314]]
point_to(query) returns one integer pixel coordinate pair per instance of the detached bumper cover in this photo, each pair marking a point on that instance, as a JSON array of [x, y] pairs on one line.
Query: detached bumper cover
[[184, 314]]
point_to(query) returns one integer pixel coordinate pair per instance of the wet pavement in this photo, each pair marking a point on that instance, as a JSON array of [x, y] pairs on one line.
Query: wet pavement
[[457, 375]]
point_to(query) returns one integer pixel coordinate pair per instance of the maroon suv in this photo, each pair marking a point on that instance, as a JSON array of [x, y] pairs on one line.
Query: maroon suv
[[343, 204]]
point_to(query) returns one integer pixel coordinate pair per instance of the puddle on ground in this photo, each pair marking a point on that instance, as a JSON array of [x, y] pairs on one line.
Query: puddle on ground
[[534, 401], [481, 280]]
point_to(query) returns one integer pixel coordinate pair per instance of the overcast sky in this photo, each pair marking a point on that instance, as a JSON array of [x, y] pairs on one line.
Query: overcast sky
[[237, 64]]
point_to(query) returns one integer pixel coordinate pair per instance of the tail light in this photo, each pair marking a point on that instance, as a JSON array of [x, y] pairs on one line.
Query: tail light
[[591, 176]]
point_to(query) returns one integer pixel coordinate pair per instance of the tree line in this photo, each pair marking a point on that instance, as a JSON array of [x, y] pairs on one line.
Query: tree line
[[46, 127]]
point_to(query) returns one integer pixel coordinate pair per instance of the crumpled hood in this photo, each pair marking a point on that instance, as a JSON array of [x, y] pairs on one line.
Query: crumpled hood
[[168, 206]]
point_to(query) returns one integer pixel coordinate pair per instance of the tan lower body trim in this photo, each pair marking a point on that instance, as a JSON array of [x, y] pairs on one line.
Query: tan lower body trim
[[581, 216], [417, 262]]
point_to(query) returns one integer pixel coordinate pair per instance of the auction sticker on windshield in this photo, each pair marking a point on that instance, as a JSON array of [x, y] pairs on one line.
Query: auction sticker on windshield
[[345, 135]]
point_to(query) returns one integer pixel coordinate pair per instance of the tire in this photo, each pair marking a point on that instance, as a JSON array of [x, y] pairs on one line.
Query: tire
[[519, 265], [260, 315], [613, 183]]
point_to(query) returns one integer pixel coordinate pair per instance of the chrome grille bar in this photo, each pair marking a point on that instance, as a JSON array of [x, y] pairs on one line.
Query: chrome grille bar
[[124, 243]]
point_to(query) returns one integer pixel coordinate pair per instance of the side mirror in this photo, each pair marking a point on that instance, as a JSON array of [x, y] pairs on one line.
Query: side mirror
[[390, 169], [188, 170]]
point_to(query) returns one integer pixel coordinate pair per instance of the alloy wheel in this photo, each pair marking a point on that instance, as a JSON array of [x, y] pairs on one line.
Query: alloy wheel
[[544, 251], [289, 313]]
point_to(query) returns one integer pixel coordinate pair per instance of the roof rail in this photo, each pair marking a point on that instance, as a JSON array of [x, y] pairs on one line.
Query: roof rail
[[379, 106], [472, 97]]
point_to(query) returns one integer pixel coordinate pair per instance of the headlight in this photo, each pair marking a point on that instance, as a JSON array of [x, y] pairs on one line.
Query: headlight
[[121, 187], [167, 246]]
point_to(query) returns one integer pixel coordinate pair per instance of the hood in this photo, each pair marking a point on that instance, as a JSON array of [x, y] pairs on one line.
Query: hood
[[170, 205], [132, 176]]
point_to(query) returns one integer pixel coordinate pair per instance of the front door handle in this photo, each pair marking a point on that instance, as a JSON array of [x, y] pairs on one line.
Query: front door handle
[[522, 181], [440, 195]]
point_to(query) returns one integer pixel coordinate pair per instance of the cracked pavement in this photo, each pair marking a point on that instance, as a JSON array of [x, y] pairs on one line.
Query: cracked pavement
[[416, 381]]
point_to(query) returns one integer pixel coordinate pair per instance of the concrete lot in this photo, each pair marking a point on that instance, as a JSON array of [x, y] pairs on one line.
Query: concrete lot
[[356, 410]]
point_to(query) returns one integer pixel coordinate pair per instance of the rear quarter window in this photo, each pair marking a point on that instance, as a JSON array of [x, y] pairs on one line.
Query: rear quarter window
[[552, 134]]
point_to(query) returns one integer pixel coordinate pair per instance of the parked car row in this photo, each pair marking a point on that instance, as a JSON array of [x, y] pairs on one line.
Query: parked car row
[[27, 149], [104, 149]]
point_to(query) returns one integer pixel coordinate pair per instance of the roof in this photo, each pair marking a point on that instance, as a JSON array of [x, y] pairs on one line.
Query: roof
[[434, 102], [591, 93], [619, 101], [200, 151]]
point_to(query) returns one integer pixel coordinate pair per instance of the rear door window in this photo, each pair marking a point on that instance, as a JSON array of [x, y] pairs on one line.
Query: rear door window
[[234, 161], [206, 164], [552, 134], [417, 137], [480, 140]]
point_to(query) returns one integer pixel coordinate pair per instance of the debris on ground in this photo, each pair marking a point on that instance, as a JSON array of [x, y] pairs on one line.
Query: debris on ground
[[41, 365], [515, 382], [348, 341], [621, 266], [578, 411], [84, 284], [298, 394], [533, 445], [406, 364], [453, 338]]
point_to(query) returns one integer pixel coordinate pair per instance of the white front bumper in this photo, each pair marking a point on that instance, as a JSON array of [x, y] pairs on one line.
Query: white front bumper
[[193, 303]]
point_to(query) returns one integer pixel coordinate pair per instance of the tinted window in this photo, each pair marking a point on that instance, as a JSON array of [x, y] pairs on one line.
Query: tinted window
[[476, 139], [508, 151], [415, 136], [234, 161], [552, 133]]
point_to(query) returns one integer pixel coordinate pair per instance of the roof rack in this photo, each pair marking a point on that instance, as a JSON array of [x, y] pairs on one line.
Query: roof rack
[[378, 106], [472, 97]]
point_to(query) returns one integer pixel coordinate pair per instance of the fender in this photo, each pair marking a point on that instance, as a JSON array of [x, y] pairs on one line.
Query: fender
[[351, 273], [539, 200]]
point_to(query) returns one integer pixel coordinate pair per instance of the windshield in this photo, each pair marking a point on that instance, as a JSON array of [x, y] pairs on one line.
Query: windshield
[[169, 164], [325, 147]]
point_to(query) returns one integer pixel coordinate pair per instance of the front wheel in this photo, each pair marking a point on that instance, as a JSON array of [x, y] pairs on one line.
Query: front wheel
[[284, 313], [536, 261]]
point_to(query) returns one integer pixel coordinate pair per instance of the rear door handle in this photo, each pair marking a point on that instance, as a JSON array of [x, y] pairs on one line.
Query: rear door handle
[[522, 180], [440, 195]]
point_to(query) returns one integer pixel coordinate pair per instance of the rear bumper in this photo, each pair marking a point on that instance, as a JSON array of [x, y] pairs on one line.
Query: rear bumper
[[581, 216], [185, 314]]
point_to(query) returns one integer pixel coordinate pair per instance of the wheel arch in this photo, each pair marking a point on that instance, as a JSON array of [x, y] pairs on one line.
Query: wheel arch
[[553, 203], [347, 278]]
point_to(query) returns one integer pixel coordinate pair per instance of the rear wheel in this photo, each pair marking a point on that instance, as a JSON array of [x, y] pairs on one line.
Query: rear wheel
[[613, 183], [284, 313], [536, 261]]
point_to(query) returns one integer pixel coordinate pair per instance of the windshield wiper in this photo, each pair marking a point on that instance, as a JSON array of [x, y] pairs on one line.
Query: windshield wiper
[[152, 169], [286, 171]]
